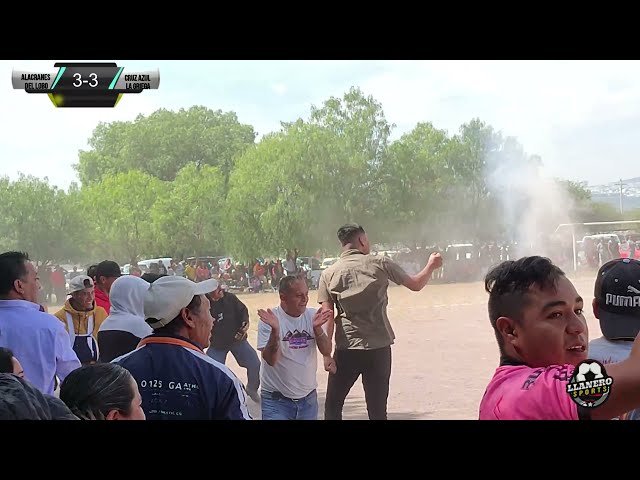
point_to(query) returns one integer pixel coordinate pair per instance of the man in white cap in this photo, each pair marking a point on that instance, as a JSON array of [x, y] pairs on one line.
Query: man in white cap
[[82, 318], [176, 379]]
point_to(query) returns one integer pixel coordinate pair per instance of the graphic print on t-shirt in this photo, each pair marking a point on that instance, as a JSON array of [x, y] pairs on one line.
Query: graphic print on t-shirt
[[297, 339]]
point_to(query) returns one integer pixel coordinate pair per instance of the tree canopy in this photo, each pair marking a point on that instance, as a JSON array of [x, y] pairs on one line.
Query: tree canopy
[[196, 182]]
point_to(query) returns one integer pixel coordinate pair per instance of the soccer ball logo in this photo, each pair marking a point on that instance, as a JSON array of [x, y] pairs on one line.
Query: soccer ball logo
[[589, 385], [585, 368]]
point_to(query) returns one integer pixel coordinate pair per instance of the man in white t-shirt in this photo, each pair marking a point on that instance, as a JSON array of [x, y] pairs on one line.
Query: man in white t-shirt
[[287, 337], [615, 306]]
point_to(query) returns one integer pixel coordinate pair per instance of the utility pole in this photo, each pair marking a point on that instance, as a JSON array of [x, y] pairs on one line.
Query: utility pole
[[621, 185]]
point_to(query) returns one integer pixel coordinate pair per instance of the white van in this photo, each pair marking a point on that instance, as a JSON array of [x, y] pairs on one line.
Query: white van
[[144, 264]]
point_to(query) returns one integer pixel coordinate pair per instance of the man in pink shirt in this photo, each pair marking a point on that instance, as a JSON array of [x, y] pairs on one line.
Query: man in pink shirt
[[542, 335]]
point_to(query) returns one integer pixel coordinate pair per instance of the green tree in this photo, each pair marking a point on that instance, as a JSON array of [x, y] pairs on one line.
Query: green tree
[[165, 141], [599, 212], [584, 209], [577, 192], [356, 134], [274, 210], [188, 217], [416, 179], [494, 180], [39, 219], [6, 234], [475, 157], [631, 214], [300, 184], [119, 207]]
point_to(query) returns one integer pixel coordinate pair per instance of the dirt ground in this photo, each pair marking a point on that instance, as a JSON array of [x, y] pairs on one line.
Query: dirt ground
[[445, 352]]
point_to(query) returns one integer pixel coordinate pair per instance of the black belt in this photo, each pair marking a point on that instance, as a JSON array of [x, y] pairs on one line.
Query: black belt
[[280, 395]]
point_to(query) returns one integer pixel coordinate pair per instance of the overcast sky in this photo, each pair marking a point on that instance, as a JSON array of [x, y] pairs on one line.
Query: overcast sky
[[581, 117]]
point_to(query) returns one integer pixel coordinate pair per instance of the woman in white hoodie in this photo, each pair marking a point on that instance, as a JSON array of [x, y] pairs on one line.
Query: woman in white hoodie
[[125, 326]]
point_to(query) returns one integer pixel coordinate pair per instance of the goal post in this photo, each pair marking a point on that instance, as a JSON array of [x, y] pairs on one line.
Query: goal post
[[588, 224]]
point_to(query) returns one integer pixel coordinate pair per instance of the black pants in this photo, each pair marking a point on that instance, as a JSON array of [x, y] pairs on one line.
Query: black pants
[[375, 368]]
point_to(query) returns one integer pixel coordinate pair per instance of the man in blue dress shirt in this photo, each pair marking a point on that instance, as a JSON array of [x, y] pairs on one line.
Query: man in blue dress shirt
[[38, 339]]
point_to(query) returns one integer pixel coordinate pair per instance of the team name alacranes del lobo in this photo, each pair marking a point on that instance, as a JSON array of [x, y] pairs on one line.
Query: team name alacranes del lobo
[[36, 76]]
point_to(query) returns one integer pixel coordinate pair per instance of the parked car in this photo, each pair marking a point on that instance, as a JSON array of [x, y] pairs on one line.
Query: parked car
[[311, 265], [327, 262]]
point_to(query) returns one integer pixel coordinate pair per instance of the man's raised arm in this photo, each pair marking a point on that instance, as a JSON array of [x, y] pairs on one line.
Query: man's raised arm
[[413, 282]]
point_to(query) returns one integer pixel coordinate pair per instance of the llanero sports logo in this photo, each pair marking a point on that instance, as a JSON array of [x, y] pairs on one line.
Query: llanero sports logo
[[589, 385]]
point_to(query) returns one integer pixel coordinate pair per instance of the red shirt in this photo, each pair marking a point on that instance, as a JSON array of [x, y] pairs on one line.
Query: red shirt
[[102, 300], [57, 279]]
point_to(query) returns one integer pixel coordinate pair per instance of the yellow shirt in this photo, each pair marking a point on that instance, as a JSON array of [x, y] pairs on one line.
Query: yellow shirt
[[81, 319], [190, 272]]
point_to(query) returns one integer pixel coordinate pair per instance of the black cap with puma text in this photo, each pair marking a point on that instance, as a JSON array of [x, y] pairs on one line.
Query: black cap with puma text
[[617, 292]]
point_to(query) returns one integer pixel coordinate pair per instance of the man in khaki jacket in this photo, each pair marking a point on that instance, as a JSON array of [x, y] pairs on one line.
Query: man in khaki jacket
[[356, 286], [82, 318]]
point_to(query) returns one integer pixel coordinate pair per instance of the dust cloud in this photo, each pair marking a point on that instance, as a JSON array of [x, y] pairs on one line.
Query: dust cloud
[[532, 204]]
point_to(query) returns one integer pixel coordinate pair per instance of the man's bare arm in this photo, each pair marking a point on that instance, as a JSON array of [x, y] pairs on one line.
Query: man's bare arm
[[331, 324], [322, 341], [328, 361], [271, 352], [326, 301], [419, 281]]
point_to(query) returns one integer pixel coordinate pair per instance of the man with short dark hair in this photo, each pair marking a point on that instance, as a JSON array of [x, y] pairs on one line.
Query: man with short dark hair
[[37, 338], [229, 334], [542, 336], [357, 286], [176, 379], [91, 272], [106, 273]]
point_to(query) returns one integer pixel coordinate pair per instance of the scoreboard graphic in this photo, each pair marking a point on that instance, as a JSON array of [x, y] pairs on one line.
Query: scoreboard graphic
[[72, 85]]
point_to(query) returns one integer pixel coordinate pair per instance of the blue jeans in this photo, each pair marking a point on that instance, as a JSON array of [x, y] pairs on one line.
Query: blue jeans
[[246, 357], [276, 406]]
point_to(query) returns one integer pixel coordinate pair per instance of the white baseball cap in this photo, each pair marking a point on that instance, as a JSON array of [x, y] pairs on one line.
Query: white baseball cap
[[165, 297], [79, 283]]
